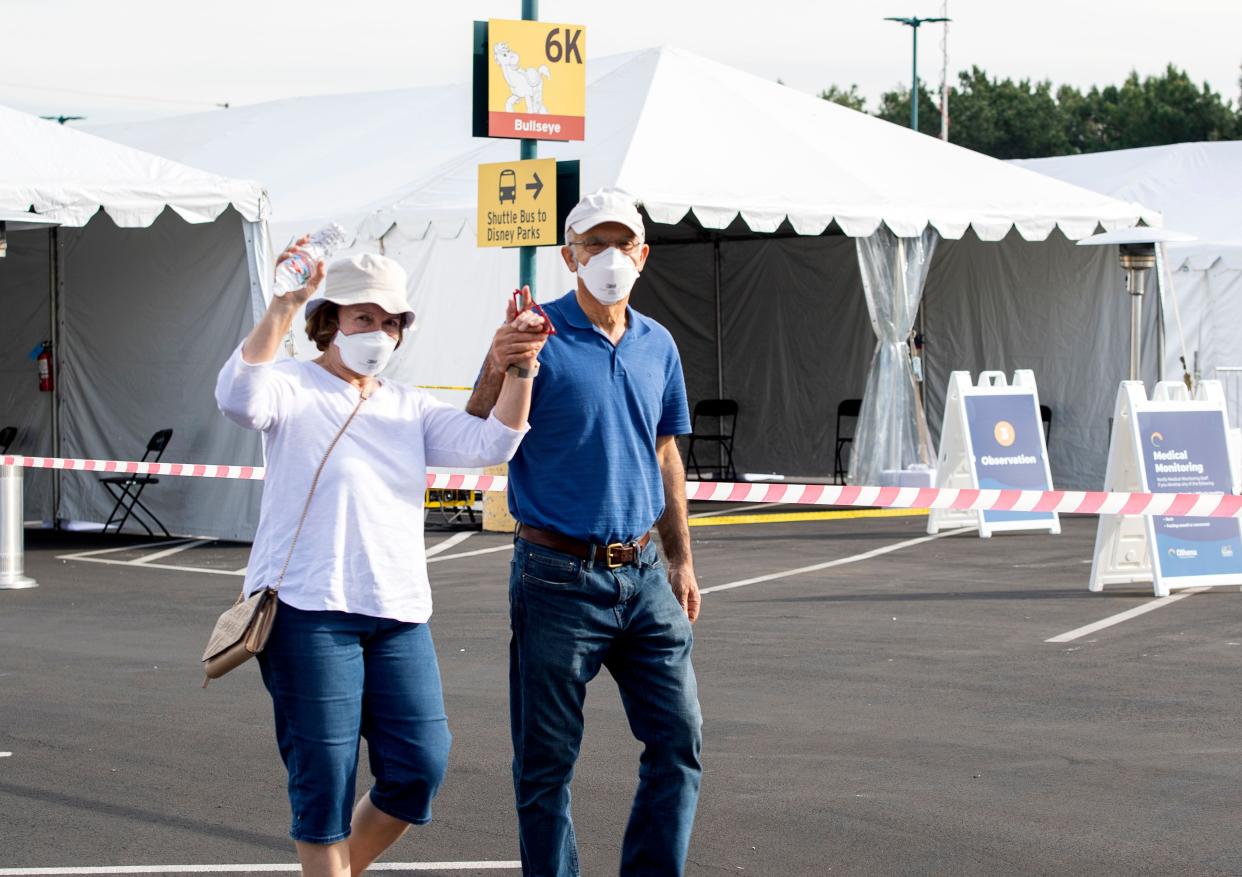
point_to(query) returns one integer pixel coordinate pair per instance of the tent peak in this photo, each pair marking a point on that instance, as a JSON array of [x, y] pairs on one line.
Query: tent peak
[[67, 176]]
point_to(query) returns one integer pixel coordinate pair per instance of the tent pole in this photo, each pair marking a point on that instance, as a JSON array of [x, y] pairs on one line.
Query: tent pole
[[719, 331], [1159, 312], [720, 462], [57, 374]]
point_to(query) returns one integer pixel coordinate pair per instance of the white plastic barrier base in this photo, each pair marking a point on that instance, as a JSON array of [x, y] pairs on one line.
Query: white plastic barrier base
[[12, 558]]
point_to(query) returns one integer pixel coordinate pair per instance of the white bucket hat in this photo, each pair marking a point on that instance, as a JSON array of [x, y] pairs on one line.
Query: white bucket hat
[[365, 279], [605, 205]]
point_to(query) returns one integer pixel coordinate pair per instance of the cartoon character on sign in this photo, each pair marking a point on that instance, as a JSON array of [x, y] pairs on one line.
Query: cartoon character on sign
[[523, 84]]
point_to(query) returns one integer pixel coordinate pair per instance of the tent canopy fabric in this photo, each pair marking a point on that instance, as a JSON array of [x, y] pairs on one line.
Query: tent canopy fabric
[[1196, 186], [685, 134], [68, 176], [142, 300], [773, 155], [776, 321]]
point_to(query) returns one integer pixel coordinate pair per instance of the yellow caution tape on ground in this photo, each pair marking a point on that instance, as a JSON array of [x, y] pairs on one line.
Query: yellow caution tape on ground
[[790, 517]]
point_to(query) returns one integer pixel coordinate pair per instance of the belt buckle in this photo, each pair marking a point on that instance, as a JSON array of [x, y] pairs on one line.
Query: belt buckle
[[608, 554]]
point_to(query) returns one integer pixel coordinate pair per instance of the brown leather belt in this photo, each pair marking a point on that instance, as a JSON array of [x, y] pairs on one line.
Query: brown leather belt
[[614, 555]]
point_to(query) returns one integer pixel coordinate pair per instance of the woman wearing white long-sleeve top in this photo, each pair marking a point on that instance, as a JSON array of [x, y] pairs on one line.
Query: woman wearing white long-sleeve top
[[351, 654]]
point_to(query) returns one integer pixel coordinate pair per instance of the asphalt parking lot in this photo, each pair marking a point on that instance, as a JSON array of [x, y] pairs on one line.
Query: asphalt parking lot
[[892, 708]]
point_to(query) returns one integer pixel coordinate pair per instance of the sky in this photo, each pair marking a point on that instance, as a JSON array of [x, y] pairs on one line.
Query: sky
[[126, 60]]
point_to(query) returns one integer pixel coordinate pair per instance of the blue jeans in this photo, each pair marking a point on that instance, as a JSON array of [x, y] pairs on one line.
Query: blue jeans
[[570, 618], [335, 677]]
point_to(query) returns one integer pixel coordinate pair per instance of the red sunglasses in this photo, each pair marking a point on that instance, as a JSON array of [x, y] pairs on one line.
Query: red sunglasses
[[548, 328]]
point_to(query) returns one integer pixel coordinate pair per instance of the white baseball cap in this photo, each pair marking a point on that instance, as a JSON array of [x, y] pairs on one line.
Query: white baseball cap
[[605, 205], [365, 279]]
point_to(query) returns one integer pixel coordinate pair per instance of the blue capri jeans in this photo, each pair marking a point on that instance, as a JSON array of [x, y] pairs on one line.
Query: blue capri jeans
[[336, 677]]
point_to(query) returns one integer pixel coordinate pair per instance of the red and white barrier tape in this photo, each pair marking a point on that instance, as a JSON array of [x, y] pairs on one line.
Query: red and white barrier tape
[[440, 481], [1066, 502]]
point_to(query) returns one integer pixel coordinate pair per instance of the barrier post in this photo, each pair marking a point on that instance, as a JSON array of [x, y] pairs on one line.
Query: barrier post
[[11, 532]]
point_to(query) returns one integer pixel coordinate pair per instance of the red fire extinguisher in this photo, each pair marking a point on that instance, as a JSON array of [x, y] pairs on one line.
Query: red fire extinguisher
[[44, 360]]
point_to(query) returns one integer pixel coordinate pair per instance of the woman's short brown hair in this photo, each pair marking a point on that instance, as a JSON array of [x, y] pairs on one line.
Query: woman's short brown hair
[[323, 324]]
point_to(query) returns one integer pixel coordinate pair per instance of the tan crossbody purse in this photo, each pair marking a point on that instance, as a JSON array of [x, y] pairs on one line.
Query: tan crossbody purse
[[242, 630]]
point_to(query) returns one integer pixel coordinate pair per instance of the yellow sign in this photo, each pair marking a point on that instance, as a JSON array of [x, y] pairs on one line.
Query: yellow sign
[[536, 80], [517, 203]]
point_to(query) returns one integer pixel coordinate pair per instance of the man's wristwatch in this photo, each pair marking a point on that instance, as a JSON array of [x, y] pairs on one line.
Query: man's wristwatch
[[523, 373]]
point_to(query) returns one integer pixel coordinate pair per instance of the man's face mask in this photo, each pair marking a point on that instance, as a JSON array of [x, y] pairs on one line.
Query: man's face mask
[[609, 276]]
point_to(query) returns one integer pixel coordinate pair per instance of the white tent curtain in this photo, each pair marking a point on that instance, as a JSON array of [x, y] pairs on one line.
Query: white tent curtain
[[888, 435]]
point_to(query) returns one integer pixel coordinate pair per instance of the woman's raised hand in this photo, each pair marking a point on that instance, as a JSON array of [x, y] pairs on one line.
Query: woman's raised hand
[[298, 297]]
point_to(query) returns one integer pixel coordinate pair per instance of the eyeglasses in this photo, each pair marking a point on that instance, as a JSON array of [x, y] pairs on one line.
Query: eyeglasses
[[595, 246]]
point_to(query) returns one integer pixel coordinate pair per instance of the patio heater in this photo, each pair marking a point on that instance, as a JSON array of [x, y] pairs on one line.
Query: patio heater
[[1138, 256]]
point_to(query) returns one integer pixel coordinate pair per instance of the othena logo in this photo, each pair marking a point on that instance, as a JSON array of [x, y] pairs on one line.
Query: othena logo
[[1157, 439]]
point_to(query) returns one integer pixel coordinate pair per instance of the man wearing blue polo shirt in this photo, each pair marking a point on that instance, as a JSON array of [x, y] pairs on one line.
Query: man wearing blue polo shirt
[[599, 467]]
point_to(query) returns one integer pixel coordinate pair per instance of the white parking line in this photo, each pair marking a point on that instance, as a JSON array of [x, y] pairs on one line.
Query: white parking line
[[508, 546], [163, 543], [250, 869], [215, 572], [170, 548], [828, 564], [1077, 632], [168, 552], [455, 539]]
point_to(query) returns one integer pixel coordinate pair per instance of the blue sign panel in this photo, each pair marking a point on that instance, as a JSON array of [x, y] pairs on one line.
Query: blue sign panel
[[1187, 452], [1007, 442]]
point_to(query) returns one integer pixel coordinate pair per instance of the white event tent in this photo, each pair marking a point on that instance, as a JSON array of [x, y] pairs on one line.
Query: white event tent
[[143, 275], [1198, 189], [753, 192]]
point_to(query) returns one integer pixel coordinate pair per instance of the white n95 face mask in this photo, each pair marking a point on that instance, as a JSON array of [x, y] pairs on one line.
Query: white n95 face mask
[[609, 276], [365, 353]]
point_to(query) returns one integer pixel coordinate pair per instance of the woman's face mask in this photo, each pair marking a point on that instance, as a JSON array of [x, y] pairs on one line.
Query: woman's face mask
[[609, 276], [365, 353]]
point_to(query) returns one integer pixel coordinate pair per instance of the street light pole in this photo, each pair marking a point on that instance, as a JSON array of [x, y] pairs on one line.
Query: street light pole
[[913, 24]]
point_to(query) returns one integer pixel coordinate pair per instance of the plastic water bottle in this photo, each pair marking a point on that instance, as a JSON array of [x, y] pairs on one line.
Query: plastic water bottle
[[293, 272]]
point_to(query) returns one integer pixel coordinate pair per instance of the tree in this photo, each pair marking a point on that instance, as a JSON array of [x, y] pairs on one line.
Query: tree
[[1161, 109], [895, 108], [845, 97], [1025, 119], [1006, 119]]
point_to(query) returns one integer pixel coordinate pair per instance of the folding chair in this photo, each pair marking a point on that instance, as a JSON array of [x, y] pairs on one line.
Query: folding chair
[[1045, 414], [720, 411], [449, 508], [6, 438], [127, 488], [846, 408]]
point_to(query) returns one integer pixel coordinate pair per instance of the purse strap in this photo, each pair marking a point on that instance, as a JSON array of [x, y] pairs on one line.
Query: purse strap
[[314, 483]]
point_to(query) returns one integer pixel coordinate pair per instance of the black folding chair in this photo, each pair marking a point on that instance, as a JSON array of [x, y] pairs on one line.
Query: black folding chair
[[127, 489], [846, 408], [724, 413], [6, 438], [450, 509], [1045, 414]]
